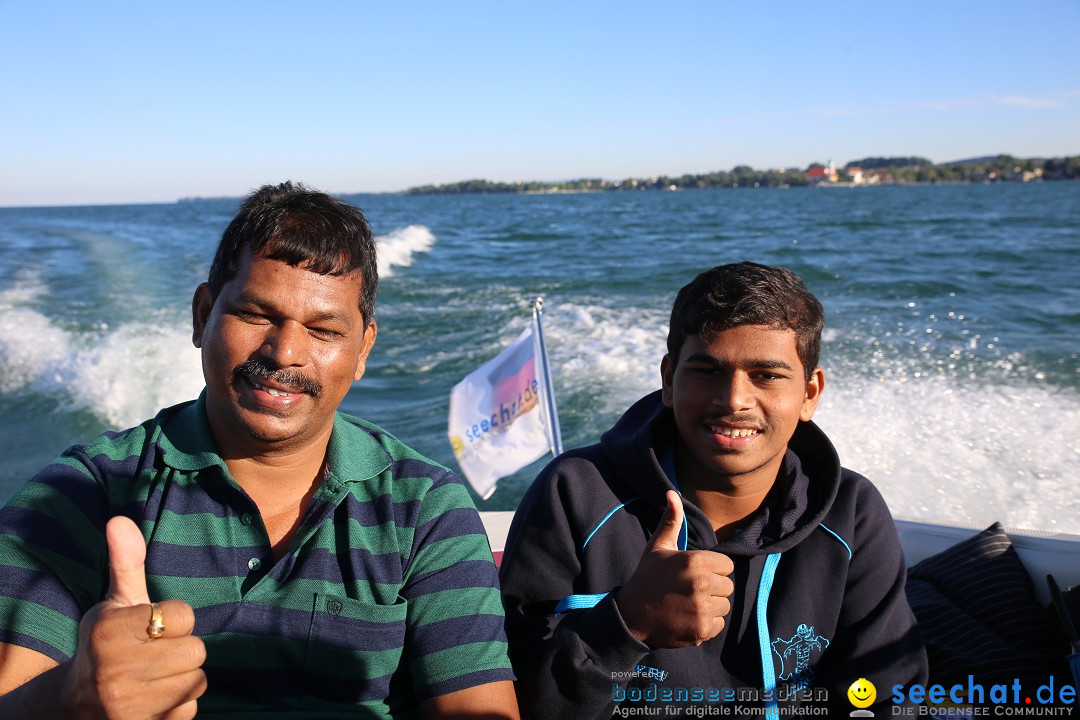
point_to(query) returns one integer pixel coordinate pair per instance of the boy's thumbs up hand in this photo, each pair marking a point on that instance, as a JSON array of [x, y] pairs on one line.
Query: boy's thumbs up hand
[[676, 598]]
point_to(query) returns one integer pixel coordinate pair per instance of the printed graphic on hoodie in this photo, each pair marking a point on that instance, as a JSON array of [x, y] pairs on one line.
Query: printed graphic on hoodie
[[797, 654]]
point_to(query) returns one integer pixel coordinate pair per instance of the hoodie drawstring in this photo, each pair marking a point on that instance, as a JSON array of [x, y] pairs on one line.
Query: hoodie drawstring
[[578, 602], [768, 671]]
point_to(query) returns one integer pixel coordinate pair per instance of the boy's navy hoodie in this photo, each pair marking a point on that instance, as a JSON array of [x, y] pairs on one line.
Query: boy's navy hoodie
[[820, 563]]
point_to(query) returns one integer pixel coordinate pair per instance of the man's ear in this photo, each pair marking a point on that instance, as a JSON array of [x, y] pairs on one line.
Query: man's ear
[[370, 332], [667, 372], [814, 388], [201, 304]]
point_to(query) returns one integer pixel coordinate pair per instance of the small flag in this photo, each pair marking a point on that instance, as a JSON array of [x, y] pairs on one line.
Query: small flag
[[497, 416]]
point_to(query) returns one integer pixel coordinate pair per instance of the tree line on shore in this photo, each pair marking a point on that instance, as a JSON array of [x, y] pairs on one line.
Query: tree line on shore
[[871, 170]]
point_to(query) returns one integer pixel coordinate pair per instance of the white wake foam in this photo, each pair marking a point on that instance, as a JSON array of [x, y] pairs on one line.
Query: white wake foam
[[130, 373], [396, 249], [946, 451], [30, 343], [123, 375], [612, 355]]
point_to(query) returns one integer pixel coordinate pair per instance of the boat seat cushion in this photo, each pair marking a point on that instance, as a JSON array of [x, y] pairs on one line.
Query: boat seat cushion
[[977, 611]]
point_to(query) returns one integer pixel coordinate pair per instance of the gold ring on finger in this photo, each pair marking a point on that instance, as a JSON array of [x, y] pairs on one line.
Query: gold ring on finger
[[156, 628]]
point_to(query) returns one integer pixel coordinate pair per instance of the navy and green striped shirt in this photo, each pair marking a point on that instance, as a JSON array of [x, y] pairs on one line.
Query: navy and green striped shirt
[[387, 597]]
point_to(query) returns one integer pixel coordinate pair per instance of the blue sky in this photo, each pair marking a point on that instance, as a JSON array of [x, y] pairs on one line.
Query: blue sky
[[113, 102]]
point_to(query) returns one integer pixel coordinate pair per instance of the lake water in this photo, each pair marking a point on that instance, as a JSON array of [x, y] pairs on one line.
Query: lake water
[[951, 343]]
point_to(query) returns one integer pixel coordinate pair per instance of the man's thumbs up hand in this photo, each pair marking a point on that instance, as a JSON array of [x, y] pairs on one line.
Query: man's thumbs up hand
[[119, 670], [676, 598]]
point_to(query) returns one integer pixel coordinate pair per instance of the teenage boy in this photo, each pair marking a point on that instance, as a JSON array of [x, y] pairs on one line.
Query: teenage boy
[[711, 549]]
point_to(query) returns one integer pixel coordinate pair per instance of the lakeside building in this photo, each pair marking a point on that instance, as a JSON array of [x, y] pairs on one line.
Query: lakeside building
[[817, 174]]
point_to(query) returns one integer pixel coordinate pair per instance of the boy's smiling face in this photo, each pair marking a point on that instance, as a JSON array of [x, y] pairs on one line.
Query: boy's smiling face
[[738, 397]]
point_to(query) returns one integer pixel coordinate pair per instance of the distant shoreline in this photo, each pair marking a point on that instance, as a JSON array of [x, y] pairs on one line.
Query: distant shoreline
[[865, 172], [839, 184]]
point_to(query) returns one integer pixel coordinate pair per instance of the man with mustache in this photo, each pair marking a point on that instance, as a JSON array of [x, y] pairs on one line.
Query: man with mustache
[[255, 552], [711, 550]]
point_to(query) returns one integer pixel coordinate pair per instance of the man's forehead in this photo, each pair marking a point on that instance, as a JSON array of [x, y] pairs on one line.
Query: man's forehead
[[275, 252], [265, 260], [259, 276]]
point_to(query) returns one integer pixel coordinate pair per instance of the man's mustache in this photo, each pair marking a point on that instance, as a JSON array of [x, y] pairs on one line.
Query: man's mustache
[[258, 370]]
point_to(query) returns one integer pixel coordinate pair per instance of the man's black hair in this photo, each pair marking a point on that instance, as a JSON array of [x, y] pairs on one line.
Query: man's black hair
[[747, 293], [301, 227]]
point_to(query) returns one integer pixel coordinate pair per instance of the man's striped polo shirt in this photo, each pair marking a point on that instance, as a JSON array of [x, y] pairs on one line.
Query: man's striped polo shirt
[[387, 596]]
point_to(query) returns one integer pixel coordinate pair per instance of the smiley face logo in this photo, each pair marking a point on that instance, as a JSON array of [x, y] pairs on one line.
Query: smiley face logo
[[862, 693]]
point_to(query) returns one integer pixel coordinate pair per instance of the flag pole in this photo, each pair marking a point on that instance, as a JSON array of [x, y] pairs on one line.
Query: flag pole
[[549, 389]]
